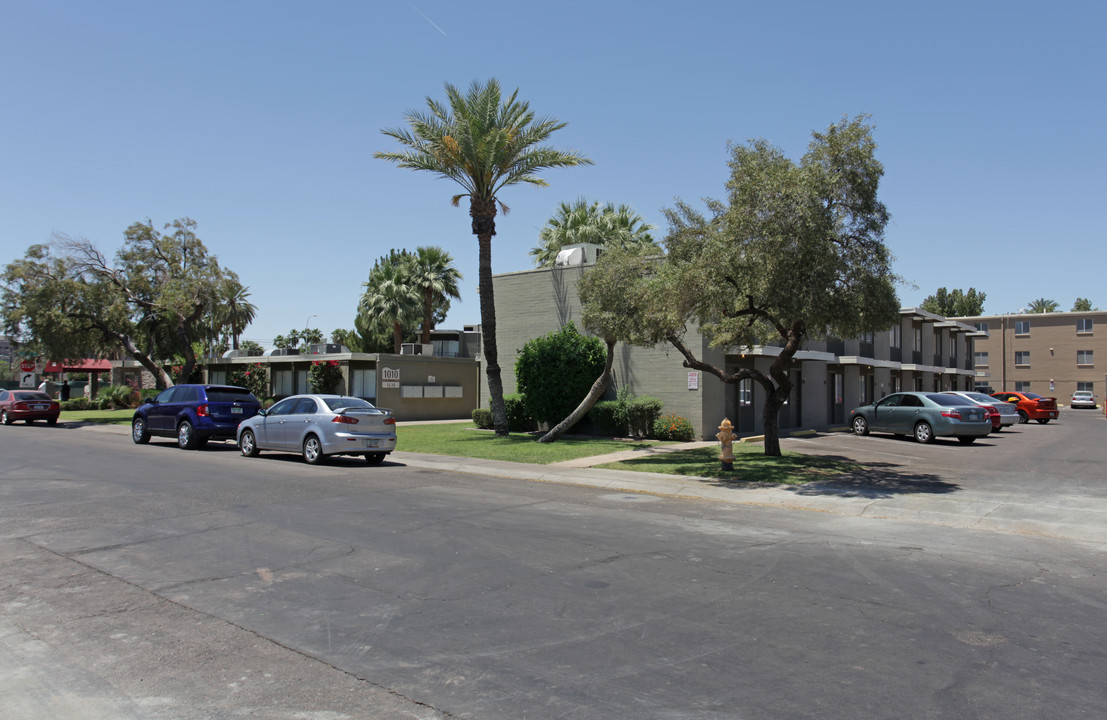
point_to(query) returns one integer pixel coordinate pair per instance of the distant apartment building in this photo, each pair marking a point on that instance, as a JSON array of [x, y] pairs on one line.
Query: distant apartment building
[[923, 351], [1051, 354]]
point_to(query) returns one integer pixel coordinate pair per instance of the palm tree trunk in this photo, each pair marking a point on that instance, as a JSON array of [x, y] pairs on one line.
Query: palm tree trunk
[[594, 394], [428, 314], [484, 227]]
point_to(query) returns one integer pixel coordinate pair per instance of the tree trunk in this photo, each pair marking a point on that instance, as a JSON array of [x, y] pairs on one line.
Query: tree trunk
[[397, 337], [428, 314], [593, 396], [484, 227]]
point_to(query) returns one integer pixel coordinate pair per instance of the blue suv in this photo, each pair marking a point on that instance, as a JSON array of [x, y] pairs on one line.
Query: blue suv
[[194, 414]]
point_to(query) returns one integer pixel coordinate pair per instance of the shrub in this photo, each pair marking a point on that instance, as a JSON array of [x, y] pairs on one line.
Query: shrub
[[253, 377], [324, 375], [609, 417], [80, 403], [115, 396], [555, 372], [642, 413], [482, 418], [518, 419], [673, 427]]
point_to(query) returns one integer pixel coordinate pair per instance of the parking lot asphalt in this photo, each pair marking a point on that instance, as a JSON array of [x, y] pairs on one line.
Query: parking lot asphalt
[[983, 486]]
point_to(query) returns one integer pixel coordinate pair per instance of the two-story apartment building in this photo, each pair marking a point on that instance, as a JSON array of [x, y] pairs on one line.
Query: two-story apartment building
[[1051, 354], [829, 377]]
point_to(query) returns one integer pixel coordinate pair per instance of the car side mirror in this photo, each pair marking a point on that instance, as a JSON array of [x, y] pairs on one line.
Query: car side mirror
[[263, 412]]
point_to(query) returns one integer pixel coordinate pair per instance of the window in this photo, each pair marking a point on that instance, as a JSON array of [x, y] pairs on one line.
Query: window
[[980, 359], [364, 382], [981, 326], [1085, 357], [217, 377], [918, 338], [1084, 326], [282, 382], [894, 336], [867, 336], [1022, 327], [1089, 386], [1022, 357], [982, 387], [1022, 386], [745, 392]]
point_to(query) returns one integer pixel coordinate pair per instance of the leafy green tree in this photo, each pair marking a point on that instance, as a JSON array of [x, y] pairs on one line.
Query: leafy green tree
[[955, 303], [68, 300], [1083, 305], [391, 299], [431, 270], [251, 348], [554, 372], [484, 143], [585, 222], [1043, 305], [795, 252]]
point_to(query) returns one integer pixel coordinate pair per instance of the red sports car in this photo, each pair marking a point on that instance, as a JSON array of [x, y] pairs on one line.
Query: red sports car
[[29, 405], [1031, 406]]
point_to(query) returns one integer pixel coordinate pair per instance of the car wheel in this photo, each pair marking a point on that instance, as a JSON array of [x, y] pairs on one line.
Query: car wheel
[[51, 421], [860, 426], [374, 458], [967, 440], [1023, 417], [5, 417], [313, 451], [186, 438], [248, 444], [139, 432], [924, 433], [1043, 421]]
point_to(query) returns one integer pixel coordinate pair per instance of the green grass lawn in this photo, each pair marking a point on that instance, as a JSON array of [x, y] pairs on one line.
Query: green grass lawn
[[464, 440], [104, 417], [750, 465]]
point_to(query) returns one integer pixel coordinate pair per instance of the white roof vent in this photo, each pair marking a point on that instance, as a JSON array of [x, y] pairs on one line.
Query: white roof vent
[[578, 254]]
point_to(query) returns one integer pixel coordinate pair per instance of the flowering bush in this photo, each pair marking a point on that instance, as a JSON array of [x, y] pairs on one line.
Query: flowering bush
[[324, 375], [673, 427], [254, 378]]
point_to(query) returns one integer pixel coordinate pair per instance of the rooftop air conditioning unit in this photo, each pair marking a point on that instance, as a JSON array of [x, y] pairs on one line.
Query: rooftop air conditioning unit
[[416, 349], [578, 254], [326, 348]]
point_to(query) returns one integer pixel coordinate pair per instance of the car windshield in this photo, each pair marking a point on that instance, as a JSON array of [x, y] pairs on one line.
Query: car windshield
[[339, 403], [947, 400]]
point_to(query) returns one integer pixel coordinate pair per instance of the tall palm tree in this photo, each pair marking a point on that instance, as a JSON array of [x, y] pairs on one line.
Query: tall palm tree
[[432, 272], [484, 143], [235, 311], [1043, 305], [390, 299], [582, 222]]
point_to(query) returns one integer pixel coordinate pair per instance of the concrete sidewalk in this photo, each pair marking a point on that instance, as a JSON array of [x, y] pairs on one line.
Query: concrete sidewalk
[[885, 494]]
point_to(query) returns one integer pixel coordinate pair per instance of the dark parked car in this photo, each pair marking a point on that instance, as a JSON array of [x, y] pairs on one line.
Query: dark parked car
[[924, 415], [1031, 406], [194, 414], [28, 405]]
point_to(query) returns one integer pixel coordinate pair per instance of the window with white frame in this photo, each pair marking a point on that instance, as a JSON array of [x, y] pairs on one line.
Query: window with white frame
[[1022, 357], [1084, 326], [980, 359], [745, 392], [1089, 386], [894, 336], [981, 326], [1022, 386], [1085, 357], [1022, 327]]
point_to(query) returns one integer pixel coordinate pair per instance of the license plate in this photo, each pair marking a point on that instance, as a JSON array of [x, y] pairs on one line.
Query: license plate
[[236, 411], [39, 407], [372, 443]]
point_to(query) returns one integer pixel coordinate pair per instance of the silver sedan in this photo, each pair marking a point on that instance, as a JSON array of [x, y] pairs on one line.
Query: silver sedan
[[317, 426], [1008, 412]]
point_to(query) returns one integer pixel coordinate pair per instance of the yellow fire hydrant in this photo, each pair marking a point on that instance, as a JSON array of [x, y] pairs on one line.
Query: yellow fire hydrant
[[726, 439]]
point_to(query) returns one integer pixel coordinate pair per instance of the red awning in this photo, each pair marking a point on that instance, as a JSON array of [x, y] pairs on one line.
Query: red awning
[[78, 366]]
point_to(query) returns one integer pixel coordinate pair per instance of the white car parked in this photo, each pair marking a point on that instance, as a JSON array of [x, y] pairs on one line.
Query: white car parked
[[320, 425], [1082, 398]]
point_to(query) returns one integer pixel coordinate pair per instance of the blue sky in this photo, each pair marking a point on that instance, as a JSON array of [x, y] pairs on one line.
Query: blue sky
[[259, 120]]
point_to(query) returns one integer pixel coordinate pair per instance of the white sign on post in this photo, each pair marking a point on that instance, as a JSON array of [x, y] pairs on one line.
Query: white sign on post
[[27, 380]]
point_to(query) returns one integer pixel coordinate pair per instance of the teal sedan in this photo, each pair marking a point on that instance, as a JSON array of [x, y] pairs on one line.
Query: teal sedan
[[924, 415]]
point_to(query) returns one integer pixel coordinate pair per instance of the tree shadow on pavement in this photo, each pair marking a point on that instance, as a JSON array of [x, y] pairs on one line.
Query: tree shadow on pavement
[[875, 481]]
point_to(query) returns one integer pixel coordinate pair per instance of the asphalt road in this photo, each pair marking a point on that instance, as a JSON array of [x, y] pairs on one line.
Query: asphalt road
[[149, 582]]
